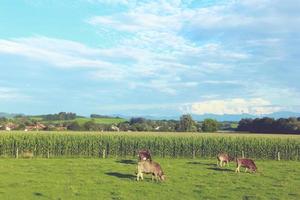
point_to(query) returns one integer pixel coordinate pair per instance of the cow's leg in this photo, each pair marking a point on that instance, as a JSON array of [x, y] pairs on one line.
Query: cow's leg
[[246, 169], [227, 163], [137, 176], [142, 176], [237, 169]]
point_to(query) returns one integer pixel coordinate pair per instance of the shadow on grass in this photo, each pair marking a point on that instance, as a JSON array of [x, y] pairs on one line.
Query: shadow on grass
[[128, 162], [220, 169], [38, 194], [120, 175], [200, 163]]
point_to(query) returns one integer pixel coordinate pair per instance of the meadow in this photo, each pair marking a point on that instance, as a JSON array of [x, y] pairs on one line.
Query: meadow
[[114, 178]]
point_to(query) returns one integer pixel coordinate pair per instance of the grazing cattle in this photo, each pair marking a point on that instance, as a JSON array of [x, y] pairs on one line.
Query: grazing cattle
[[27, 154], [223, 158], [247, 163], [150, 167], [144, 155]]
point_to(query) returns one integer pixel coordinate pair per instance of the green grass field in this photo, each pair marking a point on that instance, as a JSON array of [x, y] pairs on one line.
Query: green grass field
[[79, 178]]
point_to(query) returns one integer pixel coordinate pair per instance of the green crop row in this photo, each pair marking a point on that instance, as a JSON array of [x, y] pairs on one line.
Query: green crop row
[[55, 144]]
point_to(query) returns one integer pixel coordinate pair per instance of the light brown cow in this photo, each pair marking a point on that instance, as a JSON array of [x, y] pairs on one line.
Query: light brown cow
[[27, 154], [149, 167], [224, 158]]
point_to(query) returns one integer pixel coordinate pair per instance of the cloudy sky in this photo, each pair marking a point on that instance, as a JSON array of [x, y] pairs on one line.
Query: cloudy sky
[[149, 57]]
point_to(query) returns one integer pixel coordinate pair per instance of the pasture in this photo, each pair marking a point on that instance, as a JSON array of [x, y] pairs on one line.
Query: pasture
[[114, 178]]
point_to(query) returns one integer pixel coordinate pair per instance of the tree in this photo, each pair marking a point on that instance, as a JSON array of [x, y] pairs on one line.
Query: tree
[[90, 126], [124, 126], [186, 124], [245, 125], [210, 125], [74, 126], [136, 120]]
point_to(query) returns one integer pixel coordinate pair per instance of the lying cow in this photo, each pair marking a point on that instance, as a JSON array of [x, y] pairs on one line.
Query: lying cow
[[144, 155], [149, 167], [27, 154], [224, 158], [247, 163]]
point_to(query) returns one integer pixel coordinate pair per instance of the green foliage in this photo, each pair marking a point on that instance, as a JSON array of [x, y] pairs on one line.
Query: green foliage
[[210, 125], [187, 124], [160, 144], [60, 116], [74, 126], [269, 125]]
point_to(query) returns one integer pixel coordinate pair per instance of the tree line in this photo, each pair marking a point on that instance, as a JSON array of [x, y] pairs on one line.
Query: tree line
[[68, 121], [59, 116], [185, 124], [270, 125]]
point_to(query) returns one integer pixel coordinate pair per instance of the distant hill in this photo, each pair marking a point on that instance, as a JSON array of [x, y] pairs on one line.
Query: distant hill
[[8, 115], [283, 114], [225, 117], [276, 115]]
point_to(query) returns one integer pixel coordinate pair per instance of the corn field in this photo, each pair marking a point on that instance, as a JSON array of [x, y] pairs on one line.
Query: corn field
[[174, 145]]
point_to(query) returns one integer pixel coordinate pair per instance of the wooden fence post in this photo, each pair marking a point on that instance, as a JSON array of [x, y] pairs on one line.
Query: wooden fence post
[[243, 155], [17, 153], [103, 153], [278, 155]]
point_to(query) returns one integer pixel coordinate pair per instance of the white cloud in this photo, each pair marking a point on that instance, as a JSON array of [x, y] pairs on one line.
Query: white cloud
[[255, 106], [169, 87], [61, 53], [7, 93], [110, 2]]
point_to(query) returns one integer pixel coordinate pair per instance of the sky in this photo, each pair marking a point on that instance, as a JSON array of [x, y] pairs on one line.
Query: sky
[[149, 57]]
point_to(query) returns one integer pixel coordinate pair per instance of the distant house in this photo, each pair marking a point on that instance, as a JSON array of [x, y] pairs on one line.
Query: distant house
[[36, 127], [10, 126], [114, 128], [61, 128]]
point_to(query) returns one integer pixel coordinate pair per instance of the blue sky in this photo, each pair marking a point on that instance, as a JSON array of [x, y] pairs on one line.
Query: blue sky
[[149, 57]]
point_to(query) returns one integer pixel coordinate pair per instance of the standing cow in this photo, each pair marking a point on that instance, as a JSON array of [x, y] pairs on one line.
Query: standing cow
[[149, 167], [247, 163], [224, 158]]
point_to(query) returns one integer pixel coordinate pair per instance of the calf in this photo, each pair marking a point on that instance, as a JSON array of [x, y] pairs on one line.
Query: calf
[[27, 154], [144, 155], [223, 158], [149, 167], [247, 163]]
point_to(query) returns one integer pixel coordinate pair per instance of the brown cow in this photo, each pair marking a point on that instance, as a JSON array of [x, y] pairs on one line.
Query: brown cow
[[224, 158], [144, 155], [247, 163], [149, 167]]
